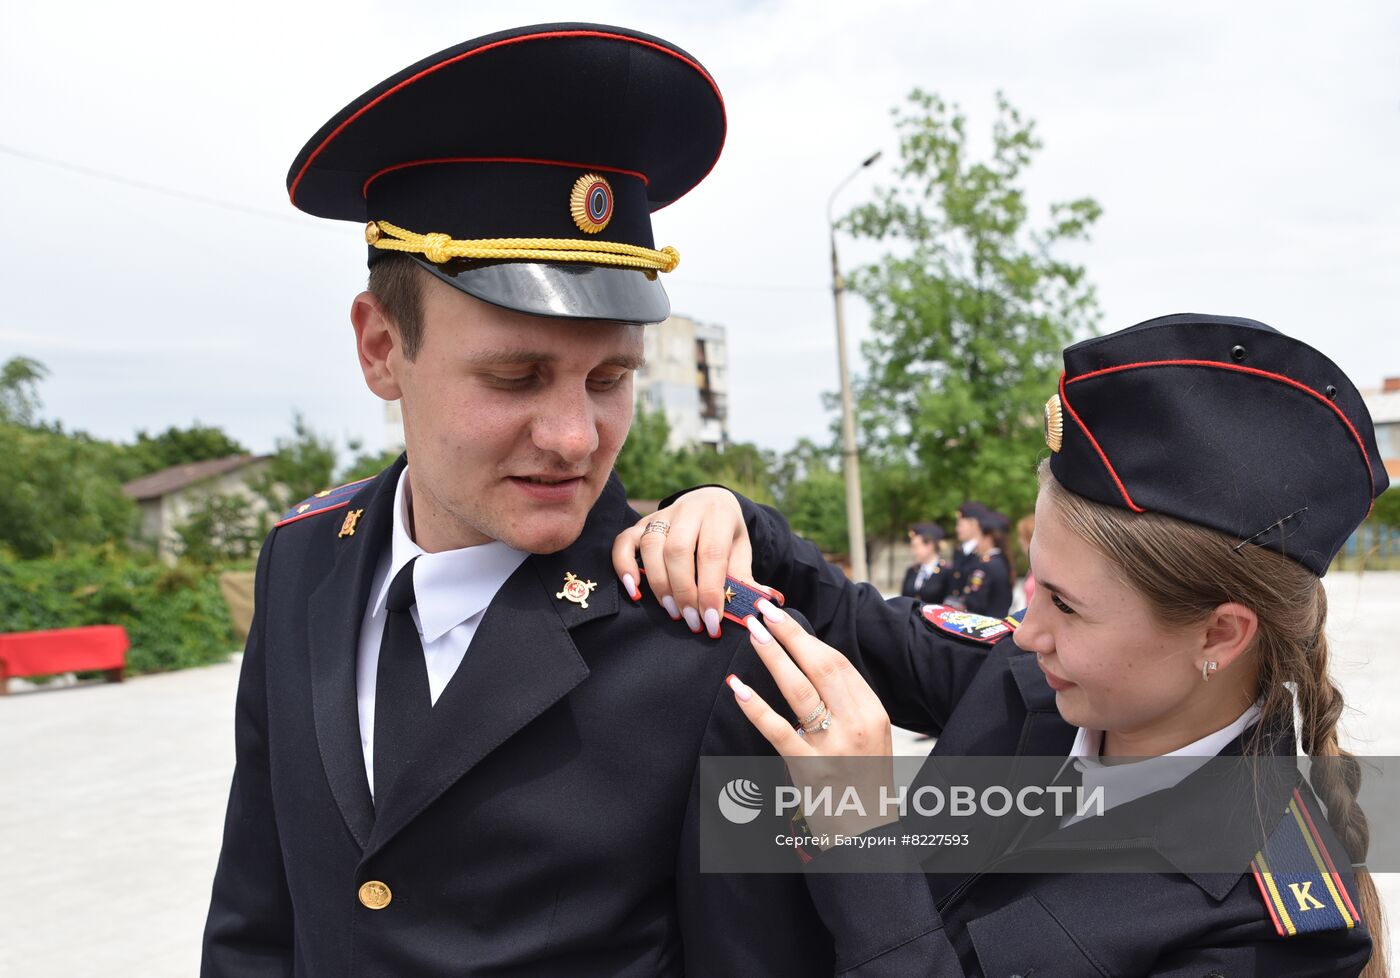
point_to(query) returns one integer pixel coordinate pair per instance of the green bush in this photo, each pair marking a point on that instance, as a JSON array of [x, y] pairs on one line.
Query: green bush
[[175, 617]]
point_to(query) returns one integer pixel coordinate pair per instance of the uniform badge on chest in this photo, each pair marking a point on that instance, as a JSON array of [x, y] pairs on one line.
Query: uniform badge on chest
[[576, 590]]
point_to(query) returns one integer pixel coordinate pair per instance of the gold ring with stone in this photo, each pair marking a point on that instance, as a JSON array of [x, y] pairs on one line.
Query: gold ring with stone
[[818, 719]]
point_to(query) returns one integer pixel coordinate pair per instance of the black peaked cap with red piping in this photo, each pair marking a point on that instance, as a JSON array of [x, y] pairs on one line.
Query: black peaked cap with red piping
[[1222, 422], [558, 132]]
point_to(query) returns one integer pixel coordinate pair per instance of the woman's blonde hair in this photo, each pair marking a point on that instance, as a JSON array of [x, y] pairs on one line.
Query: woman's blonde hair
[[1185, 571]]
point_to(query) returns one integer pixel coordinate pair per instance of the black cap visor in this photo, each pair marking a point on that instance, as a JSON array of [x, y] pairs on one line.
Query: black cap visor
[[572, 290]]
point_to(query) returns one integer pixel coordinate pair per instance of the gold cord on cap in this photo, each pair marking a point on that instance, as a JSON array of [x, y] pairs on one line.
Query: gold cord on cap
[[439, 248]]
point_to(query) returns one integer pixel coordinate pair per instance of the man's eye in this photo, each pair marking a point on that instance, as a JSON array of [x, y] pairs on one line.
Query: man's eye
[[1055, 598], [510, 382], [604, 383]]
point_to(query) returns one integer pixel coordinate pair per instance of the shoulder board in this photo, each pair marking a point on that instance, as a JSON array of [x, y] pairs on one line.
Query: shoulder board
[[965, 624], [326, 499], [740, 598], [1298, 878]]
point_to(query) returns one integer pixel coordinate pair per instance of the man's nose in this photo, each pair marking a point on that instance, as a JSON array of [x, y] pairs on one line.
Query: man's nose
[[567, 425]]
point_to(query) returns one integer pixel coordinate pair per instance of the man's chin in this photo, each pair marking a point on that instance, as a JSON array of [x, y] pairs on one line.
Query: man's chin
[[546, 532]]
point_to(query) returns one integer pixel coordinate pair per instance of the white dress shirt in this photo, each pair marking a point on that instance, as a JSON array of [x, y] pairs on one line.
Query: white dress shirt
[[1127, 782], [451, 590], [925, 572]]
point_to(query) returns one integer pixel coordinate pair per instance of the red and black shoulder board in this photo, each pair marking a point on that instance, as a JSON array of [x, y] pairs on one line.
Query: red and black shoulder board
[[323, 501], [965, 624]]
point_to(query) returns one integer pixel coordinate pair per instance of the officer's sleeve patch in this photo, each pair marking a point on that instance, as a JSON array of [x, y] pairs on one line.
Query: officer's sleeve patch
[[967, 625], [323, 501], [1297, 878]]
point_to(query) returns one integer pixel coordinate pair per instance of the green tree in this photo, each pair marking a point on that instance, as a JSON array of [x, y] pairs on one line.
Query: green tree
[[58, 491], [178, 446], [811, 493], [646, 466], [301, 465], [19, 395], [970, 310], [220, 529], [365, 464]]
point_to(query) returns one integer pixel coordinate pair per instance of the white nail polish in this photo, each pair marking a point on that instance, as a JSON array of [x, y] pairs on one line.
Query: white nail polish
[[740, 690], [669, 603], [630, 585], [712, 622], [769, 609], [692, 618], [756, 629]]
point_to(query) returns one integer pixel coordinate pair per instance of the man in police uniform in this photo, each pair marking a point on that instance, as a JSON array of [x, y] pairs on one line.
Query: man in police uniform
[[460, 750]]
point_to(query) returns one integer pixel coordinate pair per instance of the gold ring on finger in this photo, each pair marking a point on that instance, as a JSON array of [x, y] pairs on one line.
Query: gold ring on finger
[[823, 723], [816, 712]]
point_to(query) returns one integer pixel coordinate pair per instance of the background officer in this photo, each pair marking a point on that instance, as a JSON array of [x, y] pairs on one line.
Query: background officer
[[929, 576]]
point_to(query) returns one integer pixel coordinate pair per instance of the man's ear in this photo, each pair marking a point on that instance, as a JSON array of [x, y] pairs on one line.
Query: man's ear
[[1230, 631], [378, 344]]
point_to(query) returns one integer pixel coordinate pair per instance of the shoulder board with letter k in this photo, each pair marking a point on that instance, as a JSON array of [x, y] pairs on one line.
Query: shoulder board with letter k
[[1298, 879]]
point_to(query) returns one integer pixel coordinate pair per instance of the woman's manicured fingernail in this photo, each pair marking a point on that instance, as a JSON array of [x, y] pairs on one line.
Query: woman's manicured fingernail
[[756, 629], [669, 603], [631, 587], [692, 618], [740, 690], [770, 611], [712, 622]]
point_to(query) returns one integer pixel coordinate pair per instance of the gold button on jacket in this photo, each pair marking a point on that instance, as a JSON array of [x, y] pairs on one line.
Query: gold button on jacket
[[375, 895]]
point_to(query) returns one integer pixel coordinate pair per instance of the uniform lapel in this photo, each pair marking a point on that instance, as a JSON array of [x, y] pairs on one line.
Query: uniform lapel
[[522, 661], [334, 613]]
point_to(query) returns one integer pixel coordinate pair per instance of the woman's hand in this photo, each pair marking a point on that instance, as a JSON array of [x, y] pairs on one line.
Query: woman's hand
[[824, 690], [704, 539]]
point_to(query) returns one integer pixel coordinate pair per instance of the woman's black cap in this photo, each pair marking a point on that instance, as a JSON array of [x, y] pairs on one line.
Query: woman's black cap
[[1222, 422], [558, 132]]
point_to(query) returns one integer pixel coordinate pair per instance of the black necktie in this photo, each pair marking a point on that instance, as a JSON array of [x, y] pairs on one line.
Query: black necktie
[[402, 701]]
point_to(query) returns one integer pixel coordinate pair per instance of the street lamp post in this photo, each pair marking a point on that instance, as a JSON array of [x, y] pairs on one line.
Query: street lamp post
[[850, 456]]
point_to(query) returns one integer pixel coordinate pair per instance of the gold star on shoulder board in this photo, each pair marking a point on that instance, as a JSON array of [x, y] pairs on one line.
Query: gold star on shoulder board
[[729, 595]]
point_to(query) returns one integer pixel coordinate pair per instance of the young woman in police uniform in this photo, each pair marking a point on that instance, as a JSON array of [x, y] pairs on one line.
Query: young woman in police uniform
[[1203, 472]]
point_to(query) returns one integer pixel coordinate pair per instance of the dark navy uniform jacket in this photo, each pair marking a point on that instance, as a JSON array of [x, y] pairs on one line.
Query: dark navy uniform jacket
[[549, 826], [935, 586], [992, 700], [987, 587]]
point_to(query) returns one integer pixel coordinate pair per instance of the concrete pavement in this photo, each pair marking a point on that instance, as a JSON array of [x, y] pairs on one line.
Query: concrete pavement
[[112, 800]]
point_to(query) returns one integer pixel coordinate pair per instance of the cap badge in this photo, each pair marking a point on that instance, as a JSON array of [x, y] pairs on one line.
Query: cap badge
[[591, 203], [352, 518], [1054, 423], [576, 590]]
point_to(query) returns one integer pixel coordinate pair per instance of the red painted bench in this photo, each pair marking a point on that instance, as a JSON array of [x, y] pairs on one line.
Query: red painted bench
[[95, 647]]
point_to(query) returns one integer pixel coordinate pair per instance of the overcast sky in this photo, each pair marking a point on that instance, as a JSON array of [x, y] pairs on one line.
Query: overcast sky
[[1246, 156]]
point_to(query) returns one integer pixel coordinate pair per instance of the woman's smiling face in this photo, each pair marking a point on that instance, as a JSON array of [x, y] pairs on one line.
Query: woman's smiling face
[[1113, 665]]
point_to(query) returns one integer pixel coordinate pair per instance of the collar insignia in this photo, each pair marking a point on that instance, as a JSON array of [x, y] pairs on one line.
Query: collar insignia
[[576, 590]]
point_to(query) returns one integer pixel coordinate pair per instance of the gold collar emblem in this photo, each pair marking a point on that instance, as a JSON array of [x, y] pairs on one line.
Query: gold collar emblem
[[352, 519], [576, 590]]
